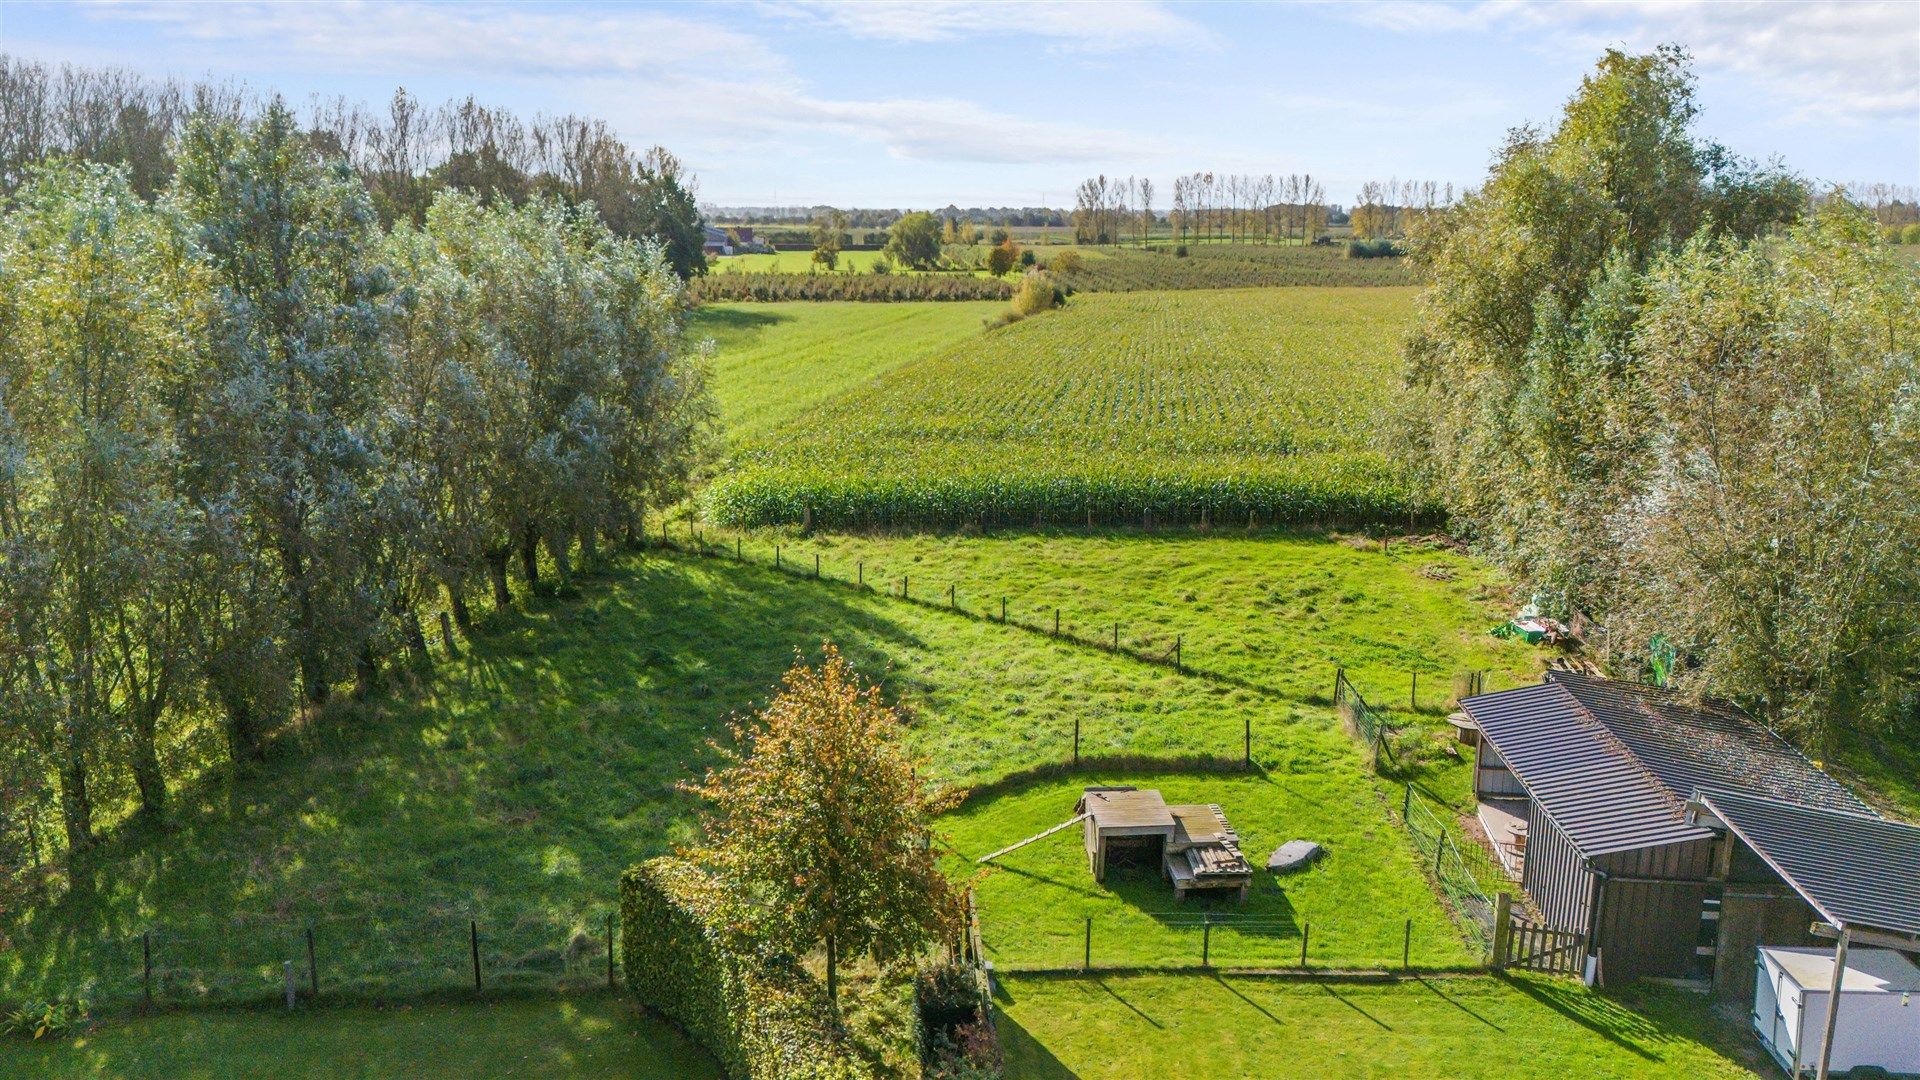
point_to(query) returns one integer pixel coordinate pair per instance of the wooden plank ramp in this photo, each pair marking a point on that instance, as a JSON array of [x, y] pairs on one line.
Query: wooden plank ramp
[[1042, 835]]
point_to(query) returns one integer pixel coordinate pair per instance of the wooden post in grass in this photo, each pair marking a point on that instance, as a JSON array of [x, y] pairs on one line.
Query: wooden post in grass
[[1176, 652], [1413, 694], [1116, 637], [610, 948], [473, 931], [1306, 932], [313, 966], [1248, 738], [952, 603], [1086, 956], [903, 587], [1502, 927], [776, 556], [286, 976], [1406, 807], [1206, 939], [816, 566], [1056, 622], [860, 573], [1076, 742], [737, 555], [1003, 611], [446, 635], [1406, 948], [146, 955]]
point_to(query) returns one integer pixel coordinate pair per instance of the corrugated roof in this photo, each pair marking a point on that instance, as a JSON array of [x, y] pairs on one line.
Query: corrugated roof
[[1586, 780], [1708, 744], [1855, 869]]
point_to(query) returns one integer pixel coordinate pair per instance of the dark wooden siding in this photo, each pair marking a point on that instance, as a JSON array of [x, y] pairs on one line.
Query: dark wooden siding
[[1554, 876], [1651, 927]]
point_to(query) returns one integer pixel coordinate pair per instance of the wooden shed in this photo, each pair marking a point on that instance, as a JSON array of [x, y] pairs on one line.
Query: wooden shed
[[1193, 845], [1584, 785]]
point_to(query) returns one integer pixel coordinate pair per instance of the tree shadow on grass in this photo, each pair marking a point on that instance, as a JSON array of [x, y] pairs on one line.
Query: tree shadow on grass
[[520, 778]]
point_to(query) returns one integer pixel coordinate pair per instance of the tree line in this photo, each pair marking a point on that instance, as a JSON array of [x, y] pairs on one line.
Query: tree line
[[404, 156], [1245, 208], [248, 435], [1673, 390]]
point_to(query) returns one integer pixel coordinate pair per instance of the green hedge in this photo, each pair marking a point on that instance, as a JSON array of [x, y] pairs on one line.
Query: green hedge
[[773, 286], [764, 1020]]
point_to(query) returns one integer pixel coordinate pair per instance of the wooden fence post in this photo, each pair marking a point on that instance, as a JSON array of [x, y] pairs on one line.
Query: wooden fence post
[[1116, 637], [473, 930], [816, 566], [737, 556], [1306, 932], [1176, 652], [313, 966], [1076, 742], [1248, 737], [609, 950], [1056, 622], [860, 571], [1406, 948], [1003, 611], [1502, 928], [286, 977], [903, 586], [952, 602], [1406, 807], [776, 556], [1206, 939], [1413, 694], [1086, 957]]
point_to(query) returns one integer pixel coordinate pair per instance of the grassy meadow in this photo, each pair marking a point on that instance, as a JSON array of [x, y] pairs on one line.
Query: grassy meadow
[[773, 363], [1193, 1026], [1236, 403], [583, 1037]]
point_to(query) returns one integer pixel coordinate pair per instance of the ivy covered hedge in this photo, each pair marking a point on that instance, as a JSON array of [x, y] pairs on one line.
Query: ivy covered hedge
[[764, 1019]]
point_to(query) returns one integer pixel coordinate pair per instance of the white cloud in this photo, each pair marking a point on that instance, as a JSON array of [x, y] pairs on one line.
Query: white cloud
[[1073, 25], [646, 71], [1825, 61]]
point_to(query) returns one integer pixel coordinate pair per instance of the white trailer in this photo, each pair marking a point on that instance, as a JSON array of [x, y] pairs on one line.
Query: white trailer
[[1879, 1008]]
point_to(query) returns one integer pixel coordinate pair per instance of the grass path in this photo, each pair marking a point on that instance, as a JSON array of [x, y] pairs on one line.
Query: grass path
[[1189, 1027], [596, 1037]]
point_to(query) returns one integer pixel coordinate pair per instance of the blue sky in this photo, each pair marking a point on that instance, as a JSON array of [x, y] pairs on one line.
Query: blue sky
[[921, 104]]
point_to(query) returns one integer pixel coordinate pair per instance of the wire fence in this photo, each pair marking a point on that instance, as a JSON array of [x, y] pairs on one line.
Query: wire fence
[[1183, 940], [1467, 875], [258, 958]]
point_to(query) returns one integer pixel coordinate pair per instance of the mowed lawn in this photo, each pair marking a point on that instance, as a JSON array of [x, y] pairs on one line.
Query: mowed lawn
[[774, 362], [588, 1037], [1207, 1027], [1355, 906]]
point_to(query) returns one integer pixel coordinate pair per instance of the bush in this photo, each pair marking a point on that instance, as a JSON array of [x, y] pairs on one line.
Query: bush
[[1037, 293], [1026, 257], [1180, 252], [1067, 262], [1373, 249], [40, 1019], [1910, 234], [764, 1018]]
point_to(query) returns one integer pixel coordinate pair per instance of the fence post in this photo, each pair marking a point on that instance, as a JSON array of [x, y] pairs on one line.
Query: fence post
[[1406, 948], [1413, 694], [313, 966], [903, 586], [1306, 932], [1056, 622], [146, 954], [776, 556], [1076, 742], [816, 566], [1176, 652], [952, 603], [1406, 807], [473, 930], [1439, 848], [609, 950], [1086, 957], [1502, 927], [1248, 737], [286, 974], [1003, 611], [1206, 939], [1116, 637], [860, 570], [1339, 676], [737, 556]]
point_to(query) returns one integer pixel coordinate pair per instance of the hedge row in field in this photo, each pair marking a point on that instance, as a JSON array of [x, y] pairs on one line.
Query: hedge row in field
[[773, 286], [763, 1019], [1230, 266], [1346, 490]]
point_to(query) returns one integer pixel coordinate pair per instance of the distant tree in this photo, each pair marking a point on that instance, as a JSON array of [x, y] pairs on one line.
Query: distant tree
[[999, 236], [1004, 256], [1027, 257], [914, 241], [827, 230], [1910, 234], [823, 823]]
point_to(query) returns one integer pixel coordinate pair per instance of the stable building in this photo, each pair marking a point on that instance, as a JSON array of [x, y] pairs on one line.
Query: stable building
[[1587, 790]]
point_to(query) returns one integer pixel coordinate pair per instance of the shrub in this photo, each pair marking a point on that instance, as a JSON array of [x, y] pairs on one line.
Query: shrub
[[1026, 257], [1002, 259], [1910, 234], [764, 1018], [1180, 252], [40, 1019], [1372, 249], [1067, 262], [882, 265], [1036, 294]]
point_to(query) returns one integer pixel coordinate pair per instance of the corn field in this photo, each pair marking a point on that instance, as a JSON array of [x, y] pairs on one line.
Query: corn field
[[1231, 408]]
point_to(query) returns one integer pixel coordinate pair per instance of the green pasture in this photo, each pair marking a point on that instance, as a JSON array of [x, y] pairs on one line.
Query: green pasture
[[1202, 1026], [584, 1037], [776, 362]]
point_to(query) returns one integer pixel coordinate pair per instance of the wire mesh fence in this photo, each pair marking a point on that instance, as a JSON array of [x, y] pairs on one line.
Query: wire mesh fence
[[264, 957], [1467, 875], [1369, 726], [1220, 939]]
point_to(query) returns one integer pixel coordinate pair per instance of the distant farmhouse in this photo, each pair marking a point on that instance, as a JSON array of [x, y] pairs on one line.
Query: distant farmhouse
[[733, 240], [1677, 839]]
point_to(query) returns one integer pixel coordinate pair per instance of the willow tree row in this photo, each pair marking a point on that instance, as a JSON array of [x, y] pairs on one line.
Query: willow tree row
[[1245, 208], [247, 437]]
